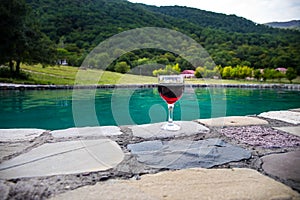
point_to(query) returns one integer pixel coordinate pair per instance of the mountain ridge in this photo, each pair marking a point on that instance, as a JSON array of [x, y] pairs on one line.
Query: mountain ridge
[[210, 19], [292, 24]]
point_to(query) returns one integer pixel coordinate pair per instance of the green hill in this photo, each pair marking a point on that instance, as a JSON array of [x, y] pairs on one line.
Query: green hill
[[79, 25]]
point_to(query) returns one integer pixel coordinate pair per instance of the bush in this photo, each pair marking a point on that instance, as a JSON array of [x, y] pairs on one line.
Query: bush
[[122, 67], [23, 75], [5, 72], [279, 75], [257, 74], [227, 72], [291, 74], [169, 70], [199, 72]]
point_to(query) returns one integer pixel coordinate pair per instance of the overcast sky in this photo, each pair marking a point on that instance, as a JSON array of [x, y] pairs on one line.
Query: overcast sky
[[259, 11]]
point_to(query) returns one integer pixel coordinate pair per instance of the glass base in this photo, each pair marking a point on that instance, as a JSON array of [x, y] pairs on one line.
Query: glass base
[[170, 127]]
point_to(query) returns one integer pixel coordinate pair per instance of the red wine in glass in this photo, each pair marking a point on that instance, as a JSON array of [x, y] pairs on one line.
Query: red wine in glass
[[170, 92]]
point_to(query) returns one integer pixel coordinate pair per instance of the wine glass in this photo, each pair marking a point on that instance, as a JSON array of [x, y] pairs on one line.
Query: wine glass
[[170, 88]]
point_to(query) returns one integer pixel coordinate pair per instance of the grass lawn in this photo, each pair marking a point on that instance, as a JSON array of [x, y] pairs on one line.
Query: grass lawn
[[66, 75]]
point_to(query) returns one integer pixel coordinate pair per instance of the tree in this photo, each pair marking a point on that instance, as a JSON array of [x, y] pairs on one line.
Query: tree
[[257, 74], [266, 74], [234, 73], [169, 56], [227, 71], [211, 73], [246, 72], [62, 54], [168, 70], [199, 72], [122, 67], [279, 75], [291, 74], [20, 37], [11, 21], [176, 68], [269, 74]]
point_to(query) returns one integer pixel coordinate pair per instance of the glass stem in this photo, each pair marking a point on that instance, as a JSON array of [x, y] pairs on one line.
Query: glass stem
[[170, 108]]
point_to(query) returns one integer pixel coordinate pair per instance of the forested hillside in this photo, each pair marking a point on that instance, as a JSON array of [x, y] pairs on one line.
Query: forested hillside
[[77, 26]]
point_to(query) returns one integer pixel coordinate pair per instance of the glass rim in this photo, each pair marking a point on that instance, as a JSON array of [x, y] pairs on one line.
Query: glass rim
[[179, 75], [171, 79]]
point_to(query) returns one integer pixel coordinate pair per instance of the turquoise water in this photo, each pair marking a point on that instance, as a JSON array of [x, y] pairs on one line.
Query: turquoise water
[[58, 109]]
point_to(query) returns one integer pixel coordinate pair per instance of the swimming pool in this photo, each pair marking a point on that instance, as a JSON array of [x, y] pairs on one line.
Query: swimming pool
[[58, 109]]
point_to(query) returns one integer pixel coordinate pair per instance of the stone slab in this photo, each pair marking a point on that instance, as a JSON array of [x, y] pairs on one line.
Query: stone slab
[[285, 116], [64, 158], [87, 132], [7, 149], [181, 154], [193, 184], [295, 130], [262, 136], [285, 165], [232, 121], [154, 130], [4, 190], [17, 135]]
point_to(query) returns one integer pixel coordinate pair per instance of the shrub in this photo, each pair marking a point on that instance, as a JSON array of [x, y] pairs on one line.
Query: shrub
[[227, 72], [122, 67], [168, 70], [257, 74], [5, 72], [199, 72], [291, 74]]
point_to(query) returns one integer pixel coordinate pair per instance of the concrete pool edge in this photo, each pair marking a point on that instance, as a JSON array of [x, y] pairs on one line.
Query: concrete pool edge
[[11, 86]]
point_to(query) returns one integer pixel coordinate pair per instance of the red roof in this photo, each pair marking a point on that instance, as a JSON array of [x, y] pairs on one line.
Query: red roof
[[188, 72], [281, 69]]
